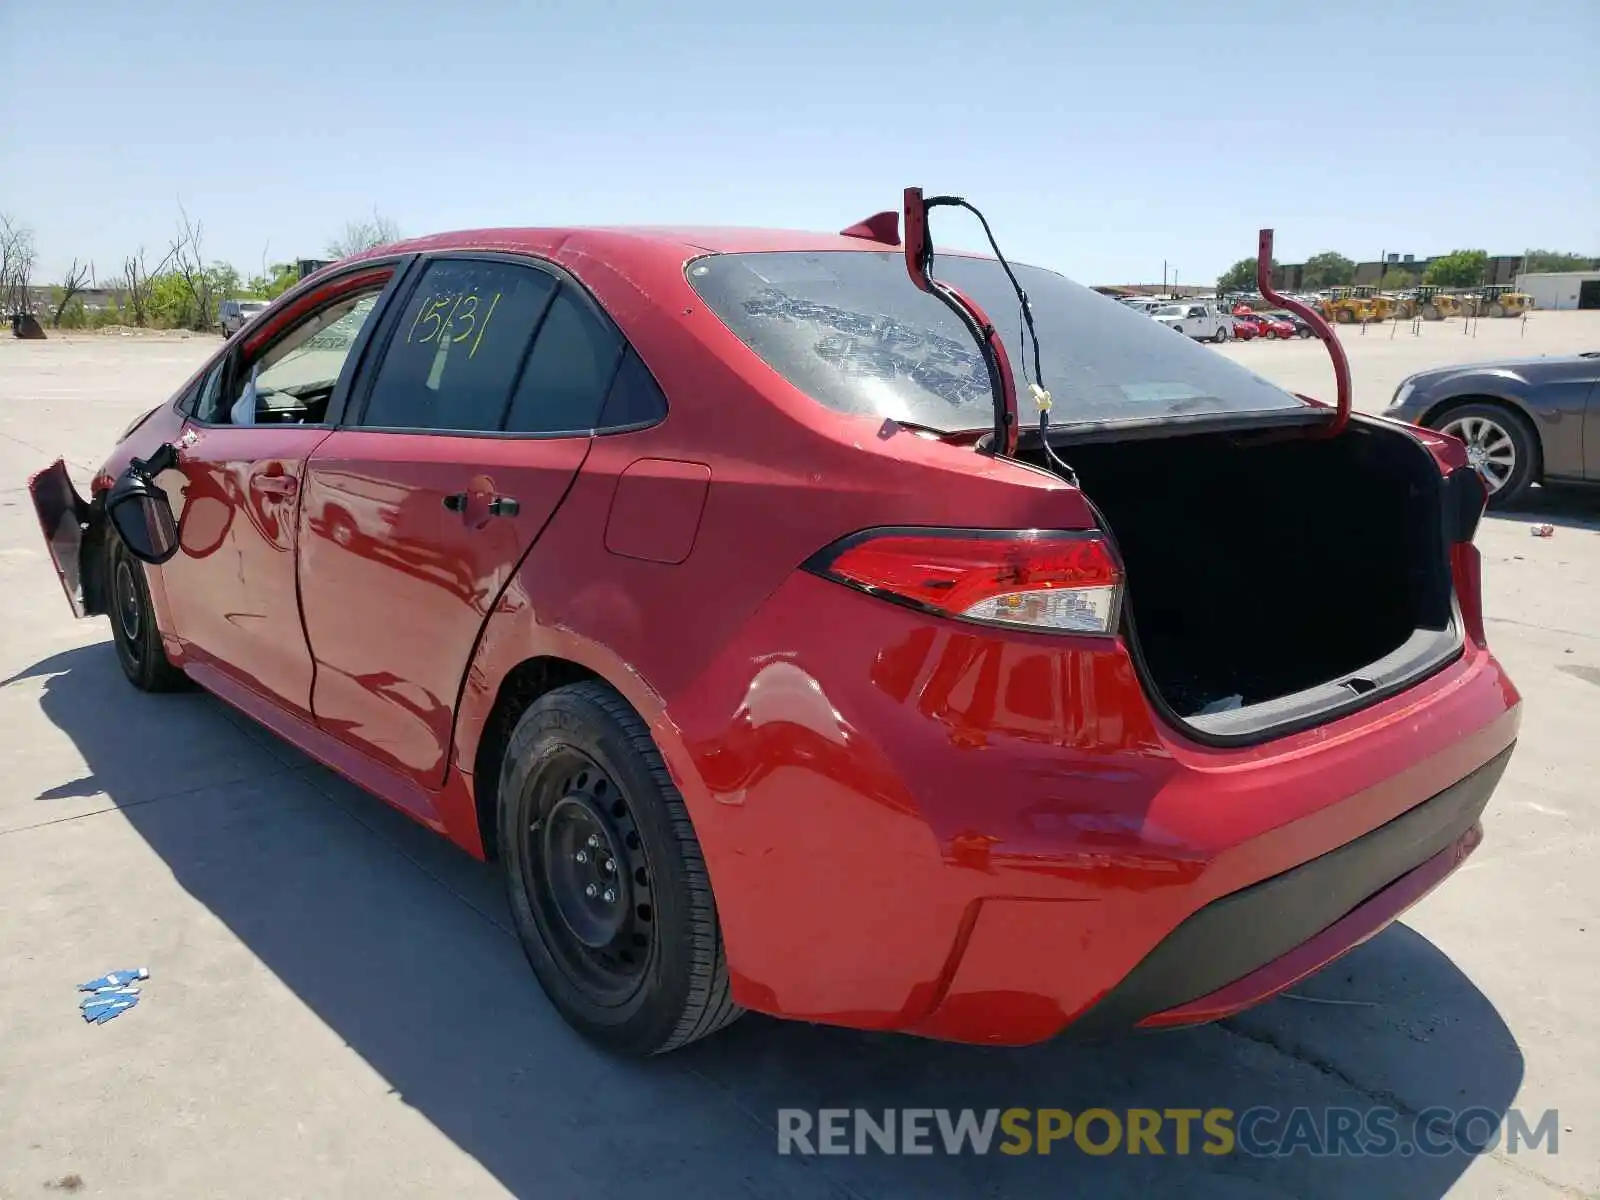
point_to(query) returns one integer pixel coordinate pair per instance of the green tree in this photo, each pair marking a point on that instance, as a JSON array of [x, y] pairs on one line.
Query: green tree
[[1459, 268], [269, 287], [171, 305], [1395, 280], [1241, 277], [1554, 260], [1327, 269], [222, 282]]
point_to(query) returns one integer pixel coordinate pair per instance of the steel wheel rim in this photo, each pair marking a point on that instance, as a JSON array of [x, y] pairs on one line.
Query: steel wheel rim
[[130, 613], [1491, 450], [605, 947]]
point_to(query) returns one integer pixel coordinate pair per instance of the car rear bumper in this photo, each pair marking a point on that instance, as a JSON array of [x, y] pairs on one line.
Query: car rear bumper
[[1252, 943], [982, 836]]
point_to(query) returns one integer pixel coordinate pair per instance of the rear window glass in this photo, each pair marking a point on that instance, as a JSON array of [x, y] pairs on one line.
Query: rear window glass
[[849, 329]]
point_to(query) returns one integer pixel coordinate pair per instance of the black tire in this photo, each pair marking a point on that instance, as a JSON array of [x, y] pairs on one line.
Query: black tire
[[133, 627], [581, 754], [1524, 442], [1302, 331], [1221, 335]]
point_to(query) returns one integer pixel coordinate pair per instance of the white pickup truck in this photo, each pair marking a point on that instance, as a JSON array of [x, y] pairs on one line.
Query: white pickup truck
[[1206, 322]]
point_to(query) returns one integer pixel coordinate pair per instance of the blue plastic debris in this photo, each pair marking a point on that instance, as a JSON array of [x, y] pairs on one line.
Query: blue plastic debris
[[115, 979], [101, 1007], [111, 995]]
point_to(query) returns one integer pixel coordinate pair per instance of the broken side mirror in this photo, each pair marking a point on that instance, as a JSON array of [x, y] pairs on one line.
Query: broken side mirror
[[140, 512]]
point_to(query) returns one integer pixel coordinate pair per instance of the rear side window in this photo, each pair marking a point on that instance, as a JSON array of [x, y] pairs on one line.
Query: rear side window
[[573, 361], [456, 353], [635, 398]]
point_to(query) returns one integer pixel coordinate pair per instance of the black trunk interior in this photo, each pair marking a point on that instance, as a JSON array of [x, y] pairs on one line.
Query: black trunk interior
[[1257, 569]]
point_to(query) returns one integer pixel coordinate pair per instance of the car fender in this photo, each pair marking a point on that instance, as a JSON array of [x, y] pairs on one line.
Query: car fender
[[1559, 455], [514, 634]]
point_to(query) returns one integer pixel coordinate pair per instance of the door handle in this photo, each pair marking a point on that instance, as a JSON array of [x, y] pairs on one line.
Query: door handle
[[277, 485], [505, 506]]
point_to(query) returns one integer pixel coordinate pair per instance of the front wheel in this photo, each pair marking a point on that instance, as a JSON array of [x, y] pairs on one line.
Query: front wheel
[[133, 624], [608, 887], [1501, 447]]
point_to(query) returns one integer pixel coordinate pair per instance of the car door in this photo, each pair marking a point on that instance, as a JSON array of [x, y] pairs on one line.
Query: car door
[[248, 432], [471, 429], [1591, 430]]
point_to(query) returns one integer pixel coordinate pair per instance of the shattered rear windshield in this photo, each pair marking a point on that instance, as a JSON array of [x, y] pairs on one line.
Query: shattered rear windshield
[[849, 329]]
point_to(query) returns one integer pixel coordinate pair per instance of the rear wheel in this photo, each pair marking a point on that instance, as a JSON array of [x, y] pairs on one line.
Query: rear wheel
[[1303, 331], [133, 625], [1497, 310], [1430, 312], [1221, 335], [1501, 447], [607, 884]]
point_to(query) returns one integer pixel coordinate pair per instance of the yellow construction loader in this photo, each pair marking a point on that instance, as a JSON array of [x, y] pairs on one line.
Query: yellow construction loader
[[1429, 302], [1352, 305], [1499, 300]]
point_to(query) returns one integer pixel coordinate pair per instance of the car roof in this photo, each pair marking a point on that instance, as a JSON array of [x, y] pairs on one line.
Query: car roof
[[618, 242]]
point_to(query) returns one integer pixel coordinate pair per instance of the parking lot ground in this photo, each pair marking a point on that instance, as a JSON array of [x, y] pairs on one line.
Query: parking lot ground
[[337, 1007]]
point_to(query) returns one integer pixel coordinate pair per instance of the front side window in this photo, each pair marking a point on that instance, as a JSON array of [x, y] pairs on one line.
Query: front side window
[[293, 379], [848, 328], [458, 348]]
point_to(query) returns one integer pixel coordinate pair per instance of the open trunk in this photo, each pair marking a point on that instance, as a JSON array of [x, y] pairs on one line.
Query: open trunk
[[1274, 584]]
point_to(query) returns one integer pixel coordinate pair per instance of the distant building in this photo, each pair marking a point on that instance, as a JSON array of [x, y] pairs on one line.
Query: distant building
[[1562, 289], [1501, 269], [41, 298], [1151, 290]]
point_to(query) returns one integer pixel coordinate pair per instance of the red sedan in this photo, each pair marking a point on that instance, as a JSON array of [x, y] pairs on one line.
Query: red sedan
[[1272, 326], [788, 655]]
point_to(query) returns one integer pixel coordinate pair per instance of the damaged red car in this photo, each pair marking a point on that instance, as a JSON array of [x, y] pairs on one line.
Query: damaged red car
[[816, 625]]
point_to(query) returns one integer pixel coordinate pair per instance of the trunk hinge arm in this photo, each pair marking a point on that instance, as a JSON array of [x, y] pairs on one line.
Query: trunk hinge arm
[[919, 265], [1324, 331]]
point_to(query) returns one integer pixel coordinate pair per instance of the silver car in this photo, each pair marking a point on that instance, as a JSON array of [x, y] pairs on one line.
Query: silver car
[[232, 315]]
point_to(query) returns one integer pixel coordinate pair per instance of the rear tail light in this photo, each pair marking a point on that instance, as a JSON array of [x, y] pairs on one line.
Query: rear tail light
[[1044, 580]]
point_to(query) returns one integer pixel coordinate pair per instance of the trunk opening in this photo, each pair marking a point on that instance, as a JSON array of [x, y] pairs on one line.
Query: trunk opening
[[1272, 585]]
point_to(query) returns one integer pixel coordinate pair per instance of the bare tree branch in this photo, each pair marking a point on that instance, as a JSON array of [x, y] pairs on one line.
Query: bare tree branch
[[17, 260], [136, 279], [76, 279], [188, 257], [364, 234]]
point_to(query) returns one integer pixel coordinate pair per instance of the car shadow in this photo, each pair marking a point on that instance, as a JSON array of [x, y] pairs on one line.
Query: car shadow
[[333, 891], [1570, 505]]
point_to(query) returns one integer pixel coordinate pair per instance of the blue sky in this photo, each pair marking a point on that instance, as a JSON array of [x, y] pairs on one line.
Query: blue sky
[[1100, 138]]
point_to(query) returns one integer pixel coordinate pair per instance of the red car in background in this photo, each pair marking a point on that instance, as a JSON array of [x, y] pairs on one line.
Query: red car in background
[[1245, 327], [797, 641]]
